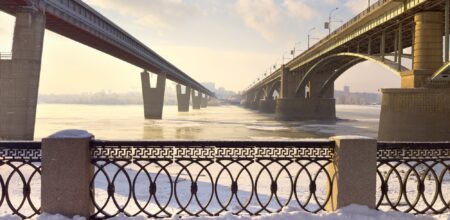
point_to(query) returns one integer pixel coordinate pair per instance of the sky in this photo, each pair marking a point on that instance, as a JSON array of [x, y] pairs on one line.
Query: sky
[[228, 42]]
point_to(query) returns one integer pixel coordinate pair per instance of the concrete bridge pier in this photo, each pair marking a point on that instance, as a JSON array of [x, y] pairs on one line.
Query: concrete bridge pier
[[19, 77], [305, 104], [306, 109], [267, 105], [419, 111], [183, 98], [204, 101], [153, 97], [196, 100], [254, 105]]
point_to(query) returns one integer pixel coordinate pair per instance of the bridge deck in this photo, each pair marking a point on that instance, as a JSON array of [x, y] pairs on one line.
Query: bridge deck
[[382, 15], [76, 20]]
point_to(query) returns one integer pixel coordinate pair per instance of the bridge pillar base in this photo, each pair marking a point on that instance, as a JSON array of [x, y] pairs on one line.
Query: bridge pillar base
[[183, 99], [204, 102], [306, 109], [267, 105], [254, 105], [415, 78], [19, 77], [153, 97], [420, 114], [196, 100], [245, 104]]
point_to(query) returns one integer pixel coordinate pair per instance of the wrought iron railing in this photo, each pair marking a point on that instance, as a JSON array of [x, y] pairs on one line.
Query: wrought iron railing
[[414, 177], [162, 179], [20, 178]]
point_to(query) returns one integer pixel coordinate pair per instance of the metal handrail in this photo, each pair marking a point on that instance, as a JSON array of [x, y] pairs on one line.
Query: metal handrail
[[5, 55]]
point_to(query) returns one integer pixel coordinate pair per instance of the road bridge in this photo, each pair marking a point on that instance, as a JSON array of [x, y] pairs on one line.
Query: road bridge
[[418, 111], [20, 70]]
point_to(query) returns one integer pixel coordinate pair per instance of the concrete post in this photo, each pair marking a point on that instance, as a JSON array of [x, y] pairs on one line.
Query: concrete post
[[66, 174], [354, 172], [196, 100], [204, 102], [19, 77], [183, 98], [153, 97], [288, 85]]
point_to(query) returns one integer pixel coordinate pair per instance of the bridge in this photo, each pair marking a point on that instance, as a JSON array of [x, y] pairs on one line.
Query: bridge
[[418, 111], [20, 69]]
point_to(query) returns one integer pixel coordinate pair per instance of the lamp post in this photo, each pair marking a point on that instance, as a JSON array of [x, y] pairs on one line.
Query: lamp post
[[293, 50], [285, 52], [328, 25], [309, 35]]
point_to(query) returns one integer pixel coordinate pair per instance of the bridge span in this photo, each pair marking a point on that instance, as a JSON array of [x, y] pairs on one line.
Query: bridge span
[[20, 71], [418, 111]]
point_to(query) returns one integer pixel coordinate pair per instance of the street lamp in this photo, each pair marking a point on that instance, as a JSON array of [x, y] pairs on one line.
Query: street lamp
[[285, 52], [328, 24], [309, 35], [293, 50]]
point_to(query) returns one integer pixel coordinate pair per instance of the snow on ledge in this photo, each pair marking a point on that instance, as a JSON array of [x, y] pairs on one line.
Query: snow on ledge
[[352, 212], [351, 137], [71, 133]]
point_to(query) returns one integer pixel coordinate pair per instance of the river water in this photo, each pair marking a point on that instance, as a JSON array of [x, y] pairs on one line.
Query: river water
[[126, 122]]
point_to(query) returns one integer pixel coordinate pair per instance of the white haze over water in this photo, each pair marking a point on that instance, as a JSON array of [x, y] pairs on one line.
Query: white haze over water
[[126, 122]]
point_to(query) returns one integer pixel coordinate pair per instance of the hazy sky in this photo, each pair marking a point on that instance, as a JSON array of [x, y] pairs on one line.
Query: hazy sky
[[228, 42]]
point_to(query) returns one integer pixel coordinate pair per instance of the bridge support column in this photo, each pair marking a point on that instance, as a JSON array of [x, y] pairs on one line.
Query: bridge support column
[[306, 109], [267, 105], [196, 100], [19, 77], [428, 49], [204, 102], [292, 106], [183, 98], [415, 115], [153, 97], [420, 111]]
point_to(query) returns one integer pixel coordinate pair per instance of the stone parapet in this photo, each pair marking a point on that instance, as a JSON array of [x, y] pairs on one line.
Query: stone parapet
[[421, 114]]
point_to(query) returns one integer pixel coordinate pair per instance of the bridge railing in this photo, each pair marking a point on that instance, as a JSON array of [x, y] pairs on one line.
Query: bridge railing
[[414, 177], [5, 55], [162, 179], [208, 178], [20, 178]]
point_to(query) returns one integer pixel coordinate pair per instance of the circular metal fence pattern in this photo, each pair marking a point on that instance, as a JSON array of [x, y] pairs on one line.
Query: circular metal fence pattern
[[207, 180], [414, 177], [20, 177]]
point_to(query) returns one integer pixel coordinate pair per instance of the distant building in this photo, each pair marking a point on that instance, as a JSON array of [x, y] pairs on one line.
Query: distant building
[[209, 85], [221, 92], [356, 98], [346, 89]]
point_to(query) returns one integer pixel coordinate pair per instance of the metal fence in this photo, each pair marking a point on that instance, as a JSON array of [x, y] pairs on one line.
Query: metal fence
[[414, 177], [201, 178], [161, 179], [20, 178]]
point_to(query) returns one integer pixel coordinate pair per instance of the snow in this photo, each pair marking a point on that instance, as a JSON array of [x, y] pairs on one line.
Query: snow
[[71, 133], [350, 137], [352, 212]]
